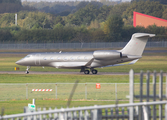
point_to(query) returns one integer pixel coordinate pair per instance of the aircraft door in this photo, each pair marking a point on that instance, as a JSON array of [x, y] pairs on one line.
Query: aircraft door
[[37, 59]]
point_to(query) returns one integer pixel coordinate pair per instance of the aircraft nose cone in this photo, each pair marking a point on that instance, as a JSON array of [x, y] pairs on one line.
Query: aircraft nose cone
[[18, 62]]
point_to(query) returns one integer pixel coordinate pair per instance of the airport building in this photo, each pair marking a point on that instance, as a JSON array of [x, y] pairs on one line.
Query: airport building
[[144, 20]]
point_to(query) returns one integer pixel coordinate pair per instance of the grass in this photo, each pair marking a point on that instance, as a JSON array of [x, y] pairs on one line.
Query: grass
[[59, 78], [14, 107], [150, 61]]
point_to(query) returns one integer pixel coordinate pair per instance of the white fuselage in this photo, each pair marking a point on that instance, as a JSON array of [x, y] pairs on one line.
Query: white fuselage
[[74, 60], [84, 60]]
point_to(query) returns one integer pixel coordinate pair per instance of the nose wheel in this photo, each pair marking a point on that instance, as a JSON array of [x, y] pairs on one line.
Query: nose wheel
[[28, 67]]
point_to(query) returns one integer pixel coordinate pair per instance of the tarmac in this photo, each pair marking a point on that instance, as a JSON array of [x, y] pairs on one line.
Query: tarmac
[[65, 73]]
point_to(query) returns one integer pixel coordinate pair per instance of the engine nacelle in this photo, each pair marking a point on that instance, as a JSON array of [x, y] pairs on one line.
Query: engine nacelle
[[107, 54]]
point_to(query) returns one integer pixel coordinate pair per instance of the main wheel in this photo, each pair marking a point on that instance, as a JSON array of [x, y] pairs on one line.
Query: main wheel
[[27, 72], [94, 71], [86, 71]]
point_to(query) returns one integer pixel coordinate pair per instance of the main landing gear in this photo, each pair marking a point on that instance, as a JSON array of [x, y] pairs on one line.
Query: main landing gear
[[93, 71], [28, 67]]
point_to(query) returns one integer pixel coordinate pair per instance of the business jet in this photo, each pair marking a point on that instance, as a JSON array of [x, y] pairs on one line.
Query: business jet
[[90, 60]]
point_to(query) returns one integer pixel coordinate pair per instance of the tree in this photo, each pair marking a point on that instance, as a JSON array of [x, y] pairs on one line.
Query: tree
[[146, 7], [40, 19], [6, 36], [10, 7], [60, 20], [161, 1], [80, 6], [85, 15], [58, 26], [150, 8], [103, 13], [11, 1], [7, 20], [156, 30], [164, 16], [94, 24], [113, 27], [97, 35], [119, 8]]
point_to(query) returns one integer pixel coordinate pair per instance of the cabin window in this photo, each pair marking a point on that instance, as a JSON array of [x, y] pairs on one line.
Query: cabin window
[[71, 58], [74, 58], [79, 58], [58, 58], [64, 58], [52, 58], [86, 58]]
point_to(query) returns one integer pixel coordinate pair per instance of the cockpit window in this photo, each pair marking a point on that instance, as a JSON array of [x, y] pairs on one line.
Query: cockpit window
[[28, 56]]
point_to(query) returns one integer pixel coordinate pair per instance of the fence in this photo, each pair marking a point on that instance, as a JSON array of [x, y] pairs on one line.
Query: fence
[[120, 111], [148, 96], [87, 91], [143, 110], [87, 113], [76, 45]]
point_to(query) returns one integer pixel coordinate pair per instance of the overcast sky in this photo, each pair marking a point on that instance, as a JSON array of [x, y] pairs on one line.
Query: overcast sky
[[61, 0]]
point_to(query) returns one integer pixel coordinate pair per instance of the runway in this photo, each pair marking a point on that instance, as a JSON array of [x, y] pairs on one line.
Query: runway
[[63, 73]]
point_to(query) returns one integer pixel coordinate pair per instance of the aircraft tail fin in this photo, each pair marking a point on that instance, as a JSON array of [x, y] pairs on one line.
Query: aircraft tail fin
[[137, 44]]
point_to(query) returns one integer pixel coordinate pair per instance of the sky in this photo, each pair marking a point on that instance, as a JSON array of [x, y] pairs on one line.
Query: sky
[[61, 0]]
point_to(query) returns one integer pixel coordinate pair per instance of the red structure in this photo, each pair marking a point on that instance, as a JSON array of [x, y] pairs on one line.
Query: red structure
[[140, 19], [98, 86]]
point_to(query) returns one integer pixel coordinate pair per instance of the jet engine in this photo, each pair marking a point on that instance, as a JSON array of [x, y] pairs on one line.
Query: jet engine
[[107, 54]]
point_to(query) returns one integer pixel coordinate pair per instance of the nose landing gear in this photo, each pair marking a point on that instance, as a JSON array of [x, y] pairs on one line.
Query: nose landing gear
[[28, 67]]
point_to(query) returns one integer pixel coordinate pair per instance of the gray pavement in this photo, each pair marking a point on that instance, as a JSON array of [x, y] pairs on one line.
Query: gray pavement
[[75, 73], [65, 73]]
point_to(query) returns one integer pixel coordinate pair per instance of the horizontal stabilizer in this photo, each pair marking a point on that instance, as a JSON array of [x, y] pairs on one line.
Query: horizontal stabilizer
[[140, 35], [134, 56]]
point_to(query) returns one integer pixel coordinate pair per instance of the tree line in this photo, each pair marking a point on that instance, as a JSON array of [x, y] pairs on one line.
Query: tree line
[[161, 1], [88, 22]]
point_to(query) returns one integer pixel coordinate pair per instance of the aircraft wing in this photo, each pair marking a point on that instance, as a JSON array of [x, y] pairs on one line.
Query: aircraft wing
[[132, 62], [67, 64], [89, 63]]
